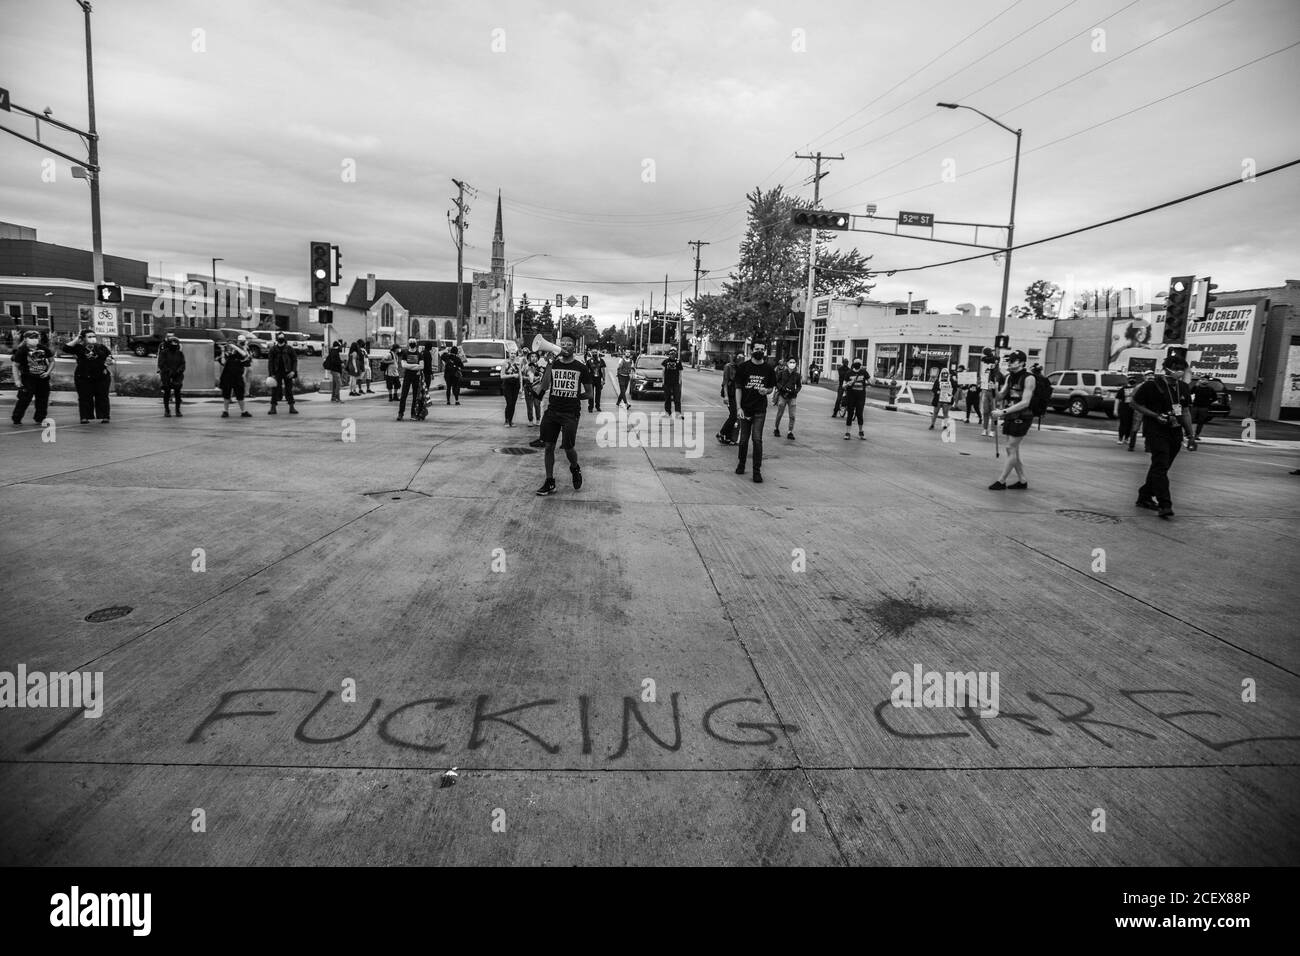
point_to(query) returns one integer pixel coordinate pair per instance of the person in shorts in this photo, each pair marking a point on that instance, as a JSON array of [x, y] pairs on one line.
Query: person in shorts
[[569, 382], [1016, 396]]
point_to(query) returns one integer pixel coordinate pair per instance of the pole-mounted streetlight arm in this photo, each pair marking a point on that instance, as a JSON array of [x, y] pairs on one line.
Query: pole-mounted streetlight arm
[[960, 106]]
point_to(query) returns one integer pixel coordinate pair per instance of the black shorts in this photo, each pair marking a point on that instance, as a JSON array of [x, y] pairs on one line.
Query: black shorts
[[556, 423], [1016, 427]]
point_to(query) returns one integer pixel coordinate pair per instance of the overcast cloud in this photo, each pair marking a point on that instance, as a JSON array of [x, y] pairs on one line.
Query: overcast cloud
[[237, 151]]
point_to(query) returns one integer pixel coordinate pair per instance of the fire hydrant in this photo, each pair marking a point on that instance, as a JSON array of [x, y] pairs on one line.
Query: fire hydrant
[[893, 393]]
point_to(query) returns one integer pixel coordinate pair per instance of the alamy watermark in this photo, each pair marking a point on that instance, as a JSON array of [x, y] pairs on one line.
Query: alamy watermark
[[78, 689], [627, 429], [946, 689]]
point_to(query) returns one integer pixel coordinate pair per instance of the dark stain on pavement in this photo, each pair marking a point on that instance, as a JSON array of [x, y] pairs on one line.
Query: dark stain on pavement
[[896, 615]]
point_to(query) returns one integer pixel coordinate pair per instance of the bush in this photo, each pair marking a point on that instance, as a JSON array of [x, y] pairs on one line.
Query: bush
[[141, 386]]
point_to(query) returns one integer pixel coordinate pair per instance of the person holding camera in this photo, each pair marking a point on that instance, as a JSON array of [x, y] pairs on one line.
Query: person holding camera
[[92, 377], [1017, 393], [1165, 406], [234, 360]]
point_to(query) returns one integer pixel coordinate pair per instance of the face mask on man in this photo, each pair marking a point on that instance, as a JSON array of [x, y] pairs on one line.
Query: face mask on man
[[280, 340], [91, 340]]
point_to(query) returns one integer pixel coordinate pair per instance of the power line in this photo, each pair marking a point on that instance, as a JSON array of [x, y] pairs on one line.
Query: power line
[[1096, 225]]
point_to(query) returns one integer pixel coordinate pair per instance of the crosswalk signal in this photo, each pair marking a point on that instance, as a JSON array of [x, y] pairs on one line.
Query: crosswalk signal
[[1176, 307], [1002, 341], [325, 316], [817, 219], [320, 273], [108, 293], [584, 301]]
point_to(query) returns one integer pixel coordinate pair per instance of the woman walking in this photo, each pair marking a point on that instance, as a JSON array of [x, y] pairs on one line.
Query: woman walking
[[92, 377], [511, 383], [365, 365], [234, 360], [530, 376]]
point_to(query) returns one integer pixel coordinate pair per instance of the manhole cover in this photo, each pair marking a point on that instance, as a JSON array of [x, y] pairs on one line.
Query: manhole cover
[[108, 614], [677, 470], [515, 450], [1092, 517], [401, 494]]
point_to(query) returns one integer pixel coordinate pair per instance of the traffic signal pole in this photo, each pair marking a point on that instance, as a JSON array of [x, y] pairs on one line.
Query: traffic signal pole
[[805, 347]]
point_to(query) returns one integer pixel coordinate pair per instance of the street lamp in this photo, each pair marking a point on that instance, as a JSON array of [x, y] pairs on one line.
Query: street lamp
[[1011, 223], [535, 255], [214, 287]]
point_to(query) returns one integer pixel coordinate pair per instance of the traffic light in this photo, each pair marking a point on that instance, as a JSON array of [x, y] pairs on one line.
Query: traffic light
[[325, 316], [584, 301], [320, 273], [338, 266], [1176, 305], [817, 219], [1002, 341], [109, 293], [1205, 297]]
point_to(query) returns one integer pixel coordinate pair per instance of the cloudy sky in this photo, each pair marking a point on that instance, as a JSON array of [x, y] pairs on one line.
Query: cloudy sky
[[618, 132]]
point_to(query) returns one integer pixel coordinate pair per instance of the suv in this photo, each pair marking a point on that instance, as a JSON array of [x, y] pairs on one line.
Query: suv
[[144, 345], [648, 375], [1222, 406], [259, 341], [1080, 391], [484, 360]]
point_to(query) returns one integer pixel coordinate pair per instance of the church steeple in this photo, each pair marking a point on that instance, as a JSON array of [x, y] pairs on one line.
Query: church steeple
[[499, 243]]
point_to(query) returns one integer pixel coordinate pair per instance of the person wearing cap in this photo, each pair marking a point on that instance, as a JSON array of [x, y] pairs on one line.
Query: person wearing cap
[[672, 367], [1017, 394], [92, 376], [1165, 407], [855, 398], [33, 365], [1203, 396], [1124, 411], [411, 362], [991, 381], [234, 360], [333, 363], [171, 373], [282, 364], [755, 380]]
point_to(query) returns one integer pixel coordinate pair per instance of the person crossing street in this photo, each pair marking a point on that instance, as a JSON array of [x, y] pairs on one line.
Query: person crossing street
[[1165, 406], [33, 365], [171, 373], [755, 380], [282, 364]]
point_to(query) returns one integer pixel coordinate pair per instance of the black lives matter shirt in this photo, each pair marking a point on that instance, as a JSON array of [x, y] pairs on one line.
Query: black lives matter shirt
[[567, 382], [32, 361], [672, 371], [751, 379]]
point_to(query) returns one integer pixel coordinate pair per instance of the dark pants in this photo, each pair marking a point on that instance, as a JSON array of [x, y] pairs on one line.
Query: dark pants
[[973, 405], [854, 402], [751, 429], [839, 400], [532, 404], [283, 387], [171, 391], [1201, 417], [597, 385], [510, 387], [1126, 431], [453, 388], [1163, 445], [411, 385], [728, 430], [33, 387], [622, 389], [672, 395], [92, 396]]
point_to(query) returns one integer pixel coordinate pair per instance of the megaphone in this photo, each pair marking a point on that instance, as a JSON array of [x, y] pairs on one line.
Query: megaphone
[[541, 345]]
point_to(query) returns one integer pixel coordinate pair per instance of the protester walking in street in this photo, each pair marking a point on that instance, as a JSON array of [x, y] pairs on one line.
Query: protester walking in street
[[234, 360], [33, 365], [624, 375], [972, 399], [511, 382], [569, 382], [855, 398], [451, 369], [366, 372], [1016, 413], [787, 391], [354, 369], [282, 365], [597, 367], [530, 375], [92, 376], [1123, 409], [727, 433], [843, 373], [943, 395], [991, 381], [1165, 406], [1202, 401], [411, 361], [672, 367], [392, 374], [171, 373], [333, 363], [755, 380]]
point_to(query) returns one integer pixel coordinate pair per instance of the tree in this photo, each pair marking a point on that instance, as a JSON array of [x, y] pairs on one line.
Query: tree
[[842, 274], [525, 316], [542, 325], [1038, 294]]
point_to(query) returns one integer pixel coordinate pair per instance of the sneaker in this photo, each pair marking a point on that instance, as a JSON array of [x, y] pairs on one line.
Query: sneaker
[[758, 478], [458, 403], [537, 443], [577, 478], [273, 412], [1119, 441], [167, 413], [862, 435], [292, 411], [1019, 486], [179, 415], [1146, 503], [931, 426], [998, 486], [548, 488], [84, 421], [740, 469], [1130, 447], [790, 436], [776, 433], [401, 418], [847, 436], [223, 415], [1166, 512], [20, 424]]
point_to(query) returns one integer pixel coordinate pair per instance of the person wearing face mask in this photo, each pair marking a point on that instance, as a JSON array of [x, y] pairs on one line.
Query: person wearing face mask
[[234, 360], [282, 363], [511, 379], [411, 362], [787, 390], [569, 382], [451, 369], [755, 381], [855, 398], [333, 363], [672, 367], [92, 376], [529, 376], [1017, 394], [171, 373], [597, 366], [33, 366], [624, 375]]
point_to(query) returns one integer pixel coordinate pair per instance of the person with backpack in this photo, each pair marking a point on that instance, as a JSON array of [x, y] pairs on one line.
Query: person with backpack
[[1022, 400], [1165, 407], [990, 380], [451, 369], [1123, 410], [855, 397], [1203, 397], [333, 363]]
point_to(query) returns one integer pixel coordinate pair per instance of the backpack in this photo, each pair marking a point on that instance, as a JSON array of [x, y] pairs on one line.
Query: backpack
[[1042, 394]]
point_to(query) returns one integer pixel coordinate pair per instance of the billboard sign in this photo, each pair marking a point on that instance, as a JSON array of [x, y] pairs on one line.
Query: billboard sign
[[1223, 343]]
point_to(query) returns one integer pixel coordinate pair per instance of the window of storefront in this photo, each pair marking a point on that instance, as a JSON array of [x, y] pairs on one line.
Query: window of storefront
[[146, 324], [859, 351], [887, 360], [923, 362], [837, 352], [14, 310], [819, 340]]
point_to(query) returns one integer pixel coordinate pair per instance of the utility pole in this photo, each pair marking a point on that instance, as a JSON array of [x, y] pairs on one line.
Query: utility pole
[[459, 223], [92, 147], [805, 351], [665, 308], [696, 243]]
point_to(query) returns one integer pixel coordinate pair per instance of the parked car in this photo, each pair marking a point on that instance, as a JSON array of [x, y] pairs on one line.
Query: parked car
[[484, 360], [648, 375], [304, 344], [260, 341], [215, 336], [144, 345], [1080, 391]]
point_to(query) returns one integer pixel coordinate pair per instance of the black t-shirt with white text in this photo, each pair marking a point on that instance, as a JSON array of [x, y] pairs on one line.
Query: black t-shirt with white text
[[751, 378], [32, 361], [672, 371], [568, 382]]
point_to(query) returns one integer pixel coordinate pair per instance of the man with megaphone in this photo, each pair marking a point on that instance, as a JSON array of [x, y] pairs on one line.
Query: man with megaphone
[[569, 382]]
